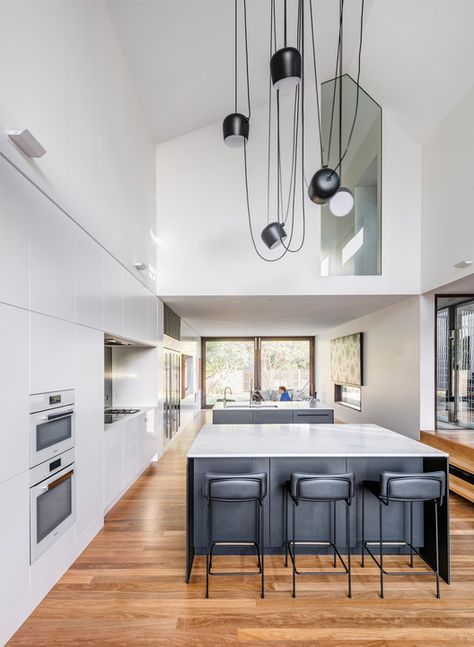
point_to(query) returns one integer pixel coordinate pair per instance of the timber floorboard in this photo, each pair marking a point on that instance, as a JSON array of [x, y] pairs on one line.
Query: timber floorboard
[[127, 587]]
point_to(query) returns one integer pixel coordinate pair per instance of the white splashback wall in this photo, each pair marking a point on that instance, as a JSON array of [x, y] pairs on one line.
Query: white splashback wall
[[64, 77], [202, 218], [391, 365]]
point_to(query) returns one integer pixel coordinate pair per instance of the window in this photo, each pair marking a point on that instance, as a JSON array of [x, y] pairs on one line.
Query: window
[[258, 363], [349, 396]]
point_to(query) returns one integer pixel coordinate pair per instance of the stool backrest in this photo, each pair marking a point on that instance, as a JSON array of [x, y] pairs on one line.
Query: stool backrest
[[234, 487], [423, 486], [322, 487]]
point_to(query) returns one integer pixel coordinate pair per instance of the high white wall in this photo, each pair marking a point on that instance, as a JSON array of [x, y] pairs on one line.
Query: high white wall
[[72, 223], [202, 218], [391, 364], [447, 222], [64, 77]]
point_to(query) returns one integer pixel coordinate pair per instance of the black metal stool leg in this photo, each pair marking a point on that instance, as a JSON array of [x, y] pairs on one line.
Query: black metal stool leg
[[381, 546], [207, 545], [436, 507], [334, 531], [262, 547], [411, 534], [348, 543], [294, 551], [285, 515], [363, 528]]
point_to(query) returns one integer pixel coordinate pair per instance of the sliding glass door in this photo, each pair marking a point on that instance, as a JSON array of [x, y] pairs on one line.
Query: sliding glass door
[[455, 363], [256, 363]]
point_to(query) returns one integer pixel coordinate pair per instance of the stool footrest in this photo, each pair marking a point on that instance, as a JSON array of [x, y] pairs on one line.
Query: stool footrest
[[366, 544], [316, 543]]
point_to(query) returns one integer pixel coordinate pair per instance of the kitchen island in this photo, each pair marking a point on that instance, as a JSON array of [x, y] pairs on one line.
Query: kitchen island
[[269, 412], [279, 450]]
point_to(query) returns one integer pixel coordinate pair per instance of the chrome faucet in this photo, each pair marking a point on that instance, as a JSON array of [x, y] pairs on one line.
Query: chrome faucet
[[225, 394]]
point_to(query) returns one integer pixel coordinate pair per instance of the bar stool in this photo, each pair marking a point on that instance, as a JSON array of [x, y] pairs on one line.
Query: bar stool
[[405, 488], [236, 488], [317, 488]]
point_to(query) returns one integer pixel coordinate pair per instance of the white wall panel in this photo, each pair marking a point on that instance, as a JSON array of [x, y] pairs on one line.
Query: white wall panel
[[113, 296], [89, 370], [89, 280], [52, 260], [52, 354], [14, 544], [14, 391], [15, 215]]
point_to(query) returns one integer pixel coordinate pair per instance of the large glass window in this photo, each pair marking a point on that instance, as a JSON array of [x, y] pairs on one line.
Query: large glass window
[[285, 362], [228, 363], [257, 364]]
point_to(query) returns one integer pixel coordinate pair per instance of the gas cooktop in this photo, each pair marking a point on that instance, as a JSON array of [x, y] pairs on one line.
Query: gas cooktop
[[112, 415]]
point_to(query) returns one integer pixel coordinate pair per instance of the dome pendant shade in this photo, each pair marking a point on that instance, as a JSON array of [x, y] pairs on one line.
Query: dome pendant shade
[[235, 129], [273, 234], [323, 185], [285, 68], [342, 202]]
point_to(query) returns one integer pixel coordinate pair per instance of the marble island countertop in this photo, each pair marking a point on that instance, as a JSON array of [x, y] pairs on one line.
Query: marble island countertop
[[285, 440], [293, 405]]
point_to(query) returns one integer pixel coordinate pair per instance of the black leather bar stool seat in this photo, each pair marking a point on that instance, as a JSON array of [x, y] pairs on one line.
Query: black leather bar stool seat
[[235, 488], [404, 488], [317, 488]]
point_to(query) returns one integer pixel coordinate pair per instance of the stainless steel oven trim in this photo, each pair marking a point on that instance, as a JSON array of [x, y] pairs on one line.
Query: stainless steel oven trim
[[36, 419], [50, 482]]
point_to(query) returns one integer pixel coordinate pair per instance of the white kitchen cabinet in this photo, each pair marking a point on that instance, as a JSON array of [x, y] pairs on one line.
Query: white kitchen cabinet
[[113, 295], [113, 464], [132, 306], [89, 408], [52, 259], [147, 439], [52, 354], [14, 547], [130, 455], [89, 282], [14, 391], [16, 198]]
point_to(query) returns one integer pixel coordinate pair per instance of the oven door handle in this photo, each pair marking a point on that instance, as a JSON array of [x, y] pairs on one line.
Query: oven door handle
[[58, 416], [60, 480]]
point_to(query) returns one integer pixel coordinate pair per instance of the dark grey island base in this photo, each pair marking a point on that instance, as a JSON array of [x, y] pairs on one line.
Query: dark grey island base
[[241, 413], [280, 450]]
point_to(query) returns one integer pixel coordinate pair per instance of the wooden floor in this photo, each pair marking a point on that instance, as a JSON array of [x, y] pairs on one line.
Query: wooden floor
[[127, 588]]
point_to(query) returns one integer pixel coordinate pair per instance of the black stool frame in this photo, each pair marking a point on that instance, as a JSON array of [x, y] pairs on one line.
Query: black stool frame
[[291, 544], [384, 501], [258, 544]]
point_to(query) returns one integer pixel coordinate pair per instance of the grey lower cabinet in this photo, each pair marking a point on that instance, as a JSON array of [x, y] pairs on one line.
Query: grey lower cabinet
[[262, 416], [232, 417]]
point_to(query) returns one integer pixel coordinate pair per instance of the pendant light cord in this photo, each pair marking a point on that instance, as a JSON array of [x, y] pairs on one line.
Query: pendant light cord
[[356, 110], [235, 56]]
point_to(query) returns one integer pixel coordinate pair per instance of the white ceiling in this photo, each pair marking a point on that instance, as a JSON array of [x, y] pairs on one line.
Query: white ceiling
[[263, 315], [417, 58], [180, 54]]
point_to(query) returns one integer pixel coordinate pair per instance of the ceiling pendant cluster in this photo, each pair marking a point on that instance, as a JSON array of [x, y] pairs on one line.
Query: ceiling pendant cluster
[[287, 80]]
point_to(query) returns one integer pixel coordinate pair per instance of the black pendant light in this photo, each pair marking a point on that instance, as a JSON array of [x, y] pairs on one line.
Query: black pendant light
[[274, 234], [285, 64], [323, 185], [236, 126], [235, 129]]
